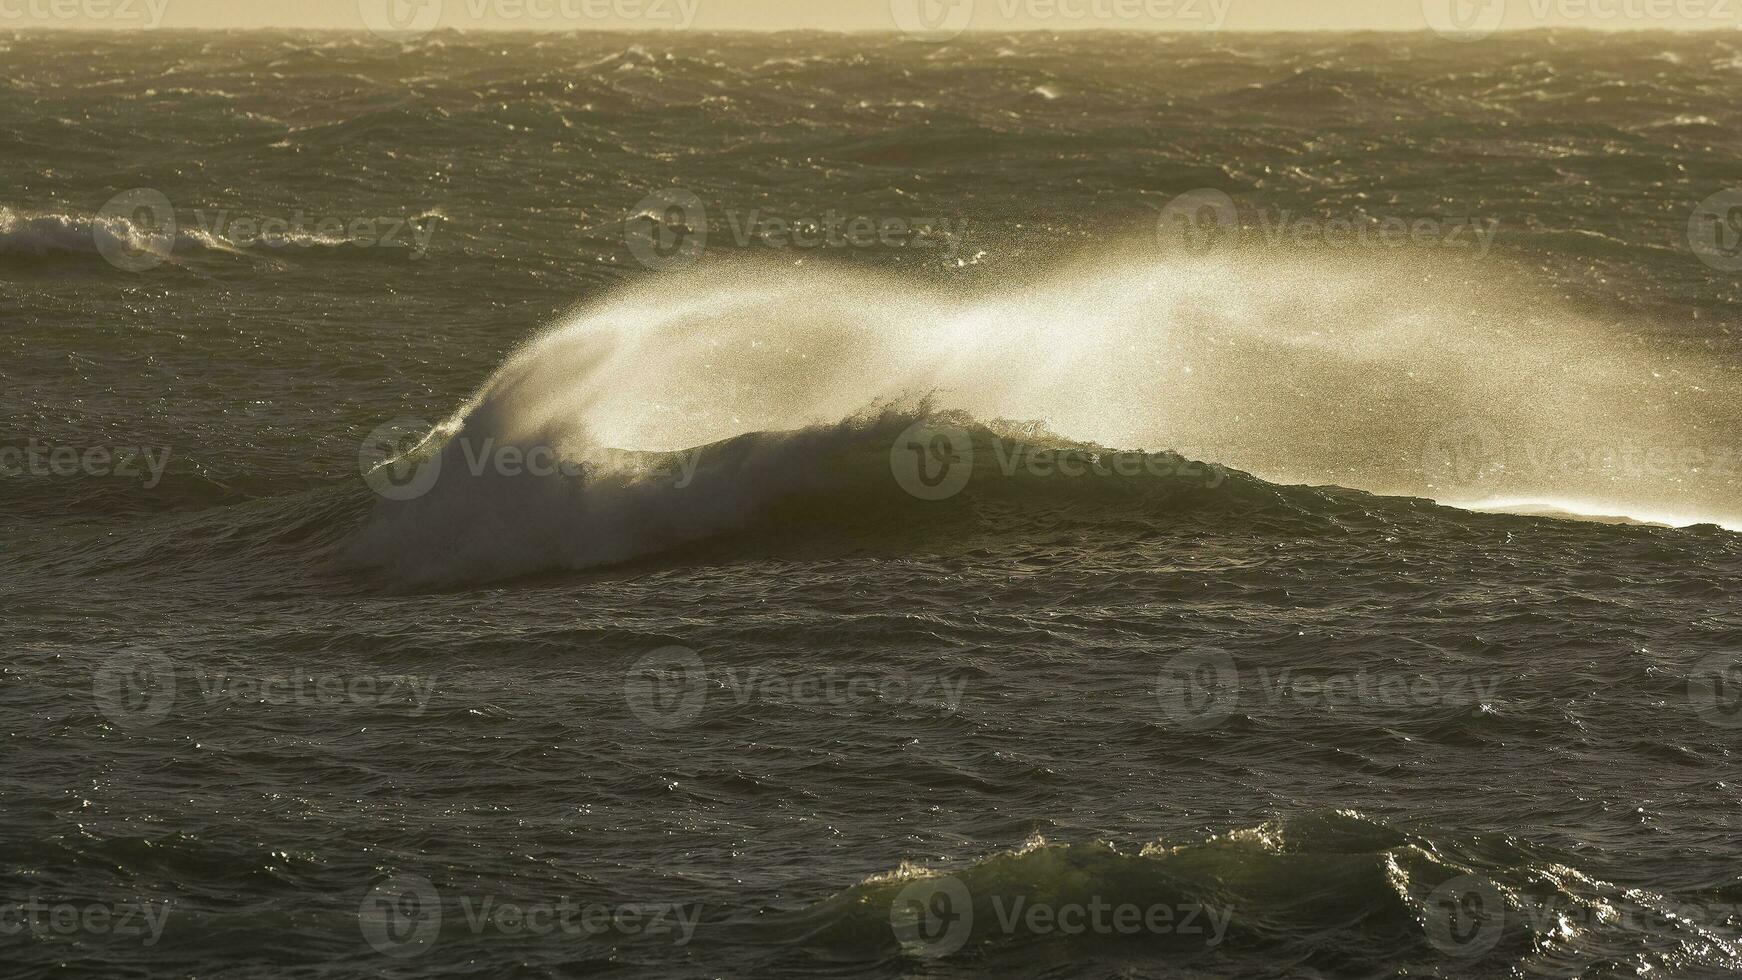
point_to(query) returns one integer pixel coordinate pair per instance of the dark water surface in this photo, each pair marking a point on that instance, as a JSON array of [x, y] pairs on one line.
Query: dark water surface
[[743, 701]]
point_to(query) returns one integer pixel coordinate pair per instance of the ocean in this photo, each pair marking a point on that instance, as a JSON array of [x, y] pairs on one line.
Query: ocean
[[779, 505]]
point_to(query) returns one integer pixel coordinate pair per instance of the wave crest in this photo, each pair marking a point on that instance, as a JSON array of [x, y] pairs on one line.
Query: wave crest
[[1258, 896], [1322, 373]]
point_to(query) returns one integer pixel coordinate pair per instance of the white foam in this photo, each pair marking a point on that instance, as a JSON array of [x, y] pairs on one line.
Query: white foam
[[1355, 370]]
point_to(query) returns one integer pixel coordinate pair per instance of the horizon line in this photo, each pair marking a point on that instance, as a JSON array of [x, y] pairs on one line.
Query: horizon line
[[875, 32]]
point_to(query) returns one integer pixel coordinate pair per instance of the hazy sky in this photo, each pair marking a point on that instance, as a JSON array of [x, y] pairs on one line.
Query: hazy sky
[[946, 16]]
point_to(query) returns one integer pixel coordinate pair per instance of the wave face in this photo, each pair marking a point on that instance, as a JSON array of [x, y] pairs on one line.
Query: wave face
[[1251, 898], [822, 489], [1317, 373]]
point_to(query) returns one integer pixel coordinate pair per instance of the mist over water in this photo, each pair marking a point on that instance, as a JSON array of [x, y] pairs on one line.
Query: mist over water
[[1407, 375]]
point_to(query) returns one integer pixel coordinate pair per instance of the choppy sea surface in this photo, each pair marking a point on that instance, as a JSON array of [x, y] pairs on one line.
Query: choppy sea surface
[[799, 505]]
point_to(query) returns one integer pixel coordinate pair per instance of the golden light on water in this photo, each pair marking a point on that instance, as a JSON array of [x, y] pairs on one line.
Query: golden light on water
[[879, 15], [1389, 375]]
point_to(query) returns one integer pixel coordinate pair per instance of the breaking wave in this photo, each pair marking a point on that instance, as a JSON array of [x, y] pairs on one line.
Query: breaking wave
[[693, 405], [36, 236], [48, 234], [1330, 891]]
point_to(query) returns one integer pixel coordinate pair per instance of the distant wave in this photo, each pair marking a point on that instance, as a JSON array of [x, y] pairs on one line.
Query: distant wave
[[1286, 891], [42, 234], [50, 235]]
